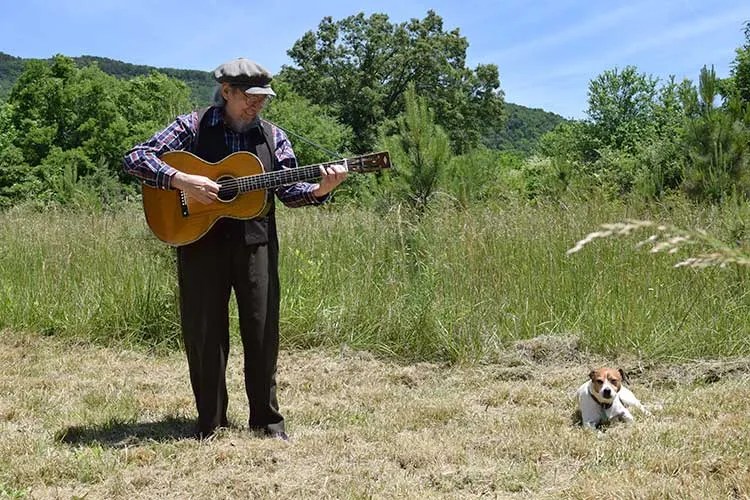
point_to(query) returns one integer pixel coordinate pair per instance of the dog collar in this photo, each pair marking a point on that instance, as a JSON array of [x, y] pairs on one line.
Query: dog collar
[[606, 406]]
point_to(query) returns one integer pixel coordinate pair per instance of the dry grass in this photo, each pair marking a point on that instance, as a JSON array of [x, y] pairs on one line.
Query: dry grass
[[78, 420], [671, 240]]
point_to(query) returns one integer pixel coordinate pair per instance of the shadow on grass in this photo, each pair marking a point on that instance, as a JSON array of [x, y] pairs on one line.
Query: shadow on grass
[[119, 434]]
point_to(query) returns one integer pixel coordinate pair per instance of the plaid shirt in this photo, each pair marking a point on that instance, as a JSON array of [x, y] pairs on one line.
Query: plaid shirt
[[143, 160]]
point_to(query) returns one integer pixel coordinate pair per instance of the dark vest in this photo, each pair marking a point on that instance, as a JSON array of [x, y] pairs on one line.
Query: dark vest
[[211, 146]]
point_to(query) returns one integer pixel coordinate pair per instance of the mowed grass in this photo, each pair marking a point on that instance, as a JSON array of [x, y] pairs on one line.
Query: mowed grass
[[451, 285], [84, 421]]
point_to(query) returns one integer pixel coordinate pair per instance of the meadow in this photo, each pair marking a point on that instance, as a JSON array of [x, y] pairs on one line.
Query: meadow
[[449, 285], [79, 420], [423, 356]]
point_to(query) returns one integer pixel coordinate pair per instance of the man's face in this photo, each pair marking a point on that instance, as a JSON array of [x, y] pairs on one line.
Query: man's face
[[242, 108]]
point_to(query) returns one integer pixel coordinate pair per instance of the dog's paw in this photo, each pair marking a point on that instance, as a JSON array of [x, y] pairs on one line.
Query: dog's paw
[[653, 407], [625, 417]]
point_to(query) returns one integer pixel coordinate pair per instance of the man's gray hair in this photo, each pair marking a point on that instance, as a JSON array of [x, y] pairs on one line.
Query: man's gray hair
[[218, 99]]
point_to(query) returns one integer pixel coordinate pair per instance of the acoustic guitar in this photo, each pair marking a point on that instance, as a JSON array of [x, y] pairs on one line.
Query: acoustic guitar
[[177, 219]]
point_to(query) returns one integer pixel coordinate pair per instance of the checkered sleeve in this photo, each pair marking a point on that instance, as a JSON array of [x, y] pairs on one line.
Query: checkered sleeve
[[143, 160], [300, 193]]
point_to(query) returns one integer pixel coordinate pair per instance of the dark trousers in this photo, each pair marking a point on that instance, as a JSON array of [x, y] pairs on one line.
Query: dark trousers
[[208, 270]]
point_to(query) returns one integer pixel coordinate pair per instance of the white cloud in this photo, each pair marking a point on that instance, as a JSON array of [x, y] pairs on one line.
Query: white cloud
[[587, 27], [685, 31], [662, 44]]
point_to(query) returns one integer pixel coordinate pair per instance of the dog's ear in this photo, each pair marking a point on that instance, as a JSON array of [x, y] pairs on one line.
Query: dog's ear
[[591, 374], [623, 375]]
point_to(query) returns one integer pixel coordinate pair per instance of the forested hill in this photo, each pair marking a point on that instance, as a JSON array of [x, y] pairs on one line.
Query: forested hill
[[10, 69], [522, 129], [201, 83]]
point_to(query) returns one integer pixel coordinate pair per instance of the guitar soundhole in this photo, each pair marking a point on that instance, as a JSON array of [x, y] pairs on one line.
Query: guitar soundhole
[[229, 188]]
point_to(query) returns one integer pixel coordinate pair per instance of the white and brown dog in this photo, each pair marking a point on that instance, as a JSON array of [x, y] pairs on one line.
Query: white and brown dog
[[604, 398]]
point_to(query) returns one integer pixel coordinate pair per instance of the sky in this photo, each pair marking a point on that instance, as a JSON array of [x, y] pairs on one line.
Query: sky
[[547, 51]]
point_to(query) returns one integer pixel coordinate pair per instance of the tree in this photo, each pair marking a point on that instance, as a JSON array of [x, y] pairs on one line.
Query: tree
[[621, 107], [362, 66], [67, 124], [741, 68], [420, 148], [717, 143], [37, 102], [16, 177]]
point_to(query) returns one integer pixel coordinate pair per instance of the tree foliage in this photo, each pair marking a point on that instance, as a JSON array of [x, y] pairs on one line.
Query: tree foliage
[[420, 148], [64, 129], [69, 125], [300, 117], [717, 142], [364, 82], [741, 68], [621, 107], [650, 139], [200, 83], [361, 67]]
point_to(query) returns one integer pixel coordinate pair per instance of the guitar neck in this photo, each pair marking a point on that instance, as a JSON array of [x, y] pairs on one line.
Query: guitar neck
[[278, 178]]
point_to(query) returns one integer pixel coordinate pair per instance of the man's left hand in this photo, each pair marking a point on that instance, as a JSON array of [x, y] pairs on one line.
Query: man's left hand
[[331, 177]]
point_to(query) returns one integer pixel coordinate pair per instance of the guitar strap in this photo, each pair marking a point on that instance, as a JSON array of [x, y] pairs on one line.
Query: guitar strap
[[201, 113]]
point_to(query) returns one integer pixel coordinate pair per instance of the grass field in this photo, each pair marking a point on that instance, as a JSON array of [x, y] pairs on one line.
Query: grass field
[[452, 286], [430, 357], [81, 421]]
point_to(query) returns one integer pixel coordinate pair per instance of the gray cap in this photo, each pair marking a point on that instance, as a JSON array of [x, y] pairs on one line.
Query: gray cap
[[243, 72]]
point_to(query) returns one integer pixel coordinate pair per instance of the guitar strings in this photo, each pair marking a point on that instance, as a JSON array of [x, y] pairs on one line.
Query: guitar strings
[[259, 181]]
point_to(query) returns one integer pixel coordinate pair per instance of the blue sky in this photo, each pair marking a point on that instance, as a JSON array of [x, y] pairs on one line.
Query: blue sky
[[546, 51]]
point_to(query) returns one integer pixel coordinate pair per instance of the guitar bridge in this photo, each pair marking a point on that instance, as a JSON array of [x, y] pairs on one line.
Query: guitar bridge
[[183, 204]]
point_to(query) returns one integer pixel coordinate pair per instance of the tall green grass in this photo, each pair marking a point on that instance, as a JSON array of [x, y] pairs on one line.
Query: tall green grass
[[100, 277], [448, 285]]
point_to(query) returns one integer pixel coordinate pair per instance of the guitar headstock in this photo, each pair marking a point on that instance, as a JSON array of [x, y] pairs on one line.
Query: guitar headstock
[[372, 162]]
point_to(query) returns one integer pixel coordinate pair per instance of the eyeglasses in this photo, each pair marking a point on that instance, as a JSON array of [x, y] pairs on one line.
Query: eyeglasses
[[253, 99]]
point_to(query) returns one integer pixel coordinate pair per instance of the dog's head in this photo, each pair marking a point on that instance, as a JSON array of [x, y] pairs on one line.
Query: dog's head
[[605, 383]]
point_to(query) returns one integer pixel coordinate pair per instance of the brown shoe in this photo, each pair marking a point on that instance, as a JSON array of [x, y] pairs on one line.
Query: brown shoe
[[262, 432], [278, 435]]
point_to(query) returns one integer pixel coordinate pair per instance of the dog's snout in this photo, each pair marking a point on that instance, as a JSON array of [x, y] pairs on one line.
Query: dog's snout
[[607, 392]]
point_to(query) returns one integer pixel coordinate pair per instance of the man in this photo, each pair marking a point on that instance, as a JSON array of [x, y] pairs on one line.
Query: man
[[234, 254]]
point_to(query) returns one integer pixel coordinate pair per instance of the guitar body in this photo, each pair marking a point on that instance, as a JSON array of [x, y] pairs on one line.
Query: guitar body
[[177, 219]]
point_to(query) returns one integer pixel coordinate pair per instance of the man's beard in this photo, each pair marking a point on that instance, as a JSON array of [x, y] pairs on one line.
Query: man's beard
[[241, 125]]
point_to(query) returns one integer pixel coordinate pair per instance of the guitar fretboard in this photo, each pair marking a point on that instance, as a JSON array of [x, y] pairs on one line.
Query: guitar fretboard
[[278, 178]]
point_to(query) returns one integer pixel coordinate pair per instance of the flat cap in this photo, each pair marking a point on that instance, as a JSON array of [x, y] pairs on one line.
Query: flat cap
[[243, 72]]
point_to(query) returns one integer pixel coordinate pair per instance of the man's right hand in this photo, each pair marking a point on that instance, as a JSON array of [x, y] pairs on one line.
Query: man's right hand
[[198, 187]]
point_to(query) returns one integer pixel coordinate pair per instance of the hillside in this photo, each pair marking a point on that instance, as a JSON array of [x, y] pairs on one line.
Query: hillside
[[10, 69], [201, 83], [523, 127]]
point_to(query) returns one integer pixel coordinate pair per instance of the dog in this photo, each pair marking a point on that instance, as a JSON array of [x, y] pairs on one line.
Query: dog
[[604, 398]]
